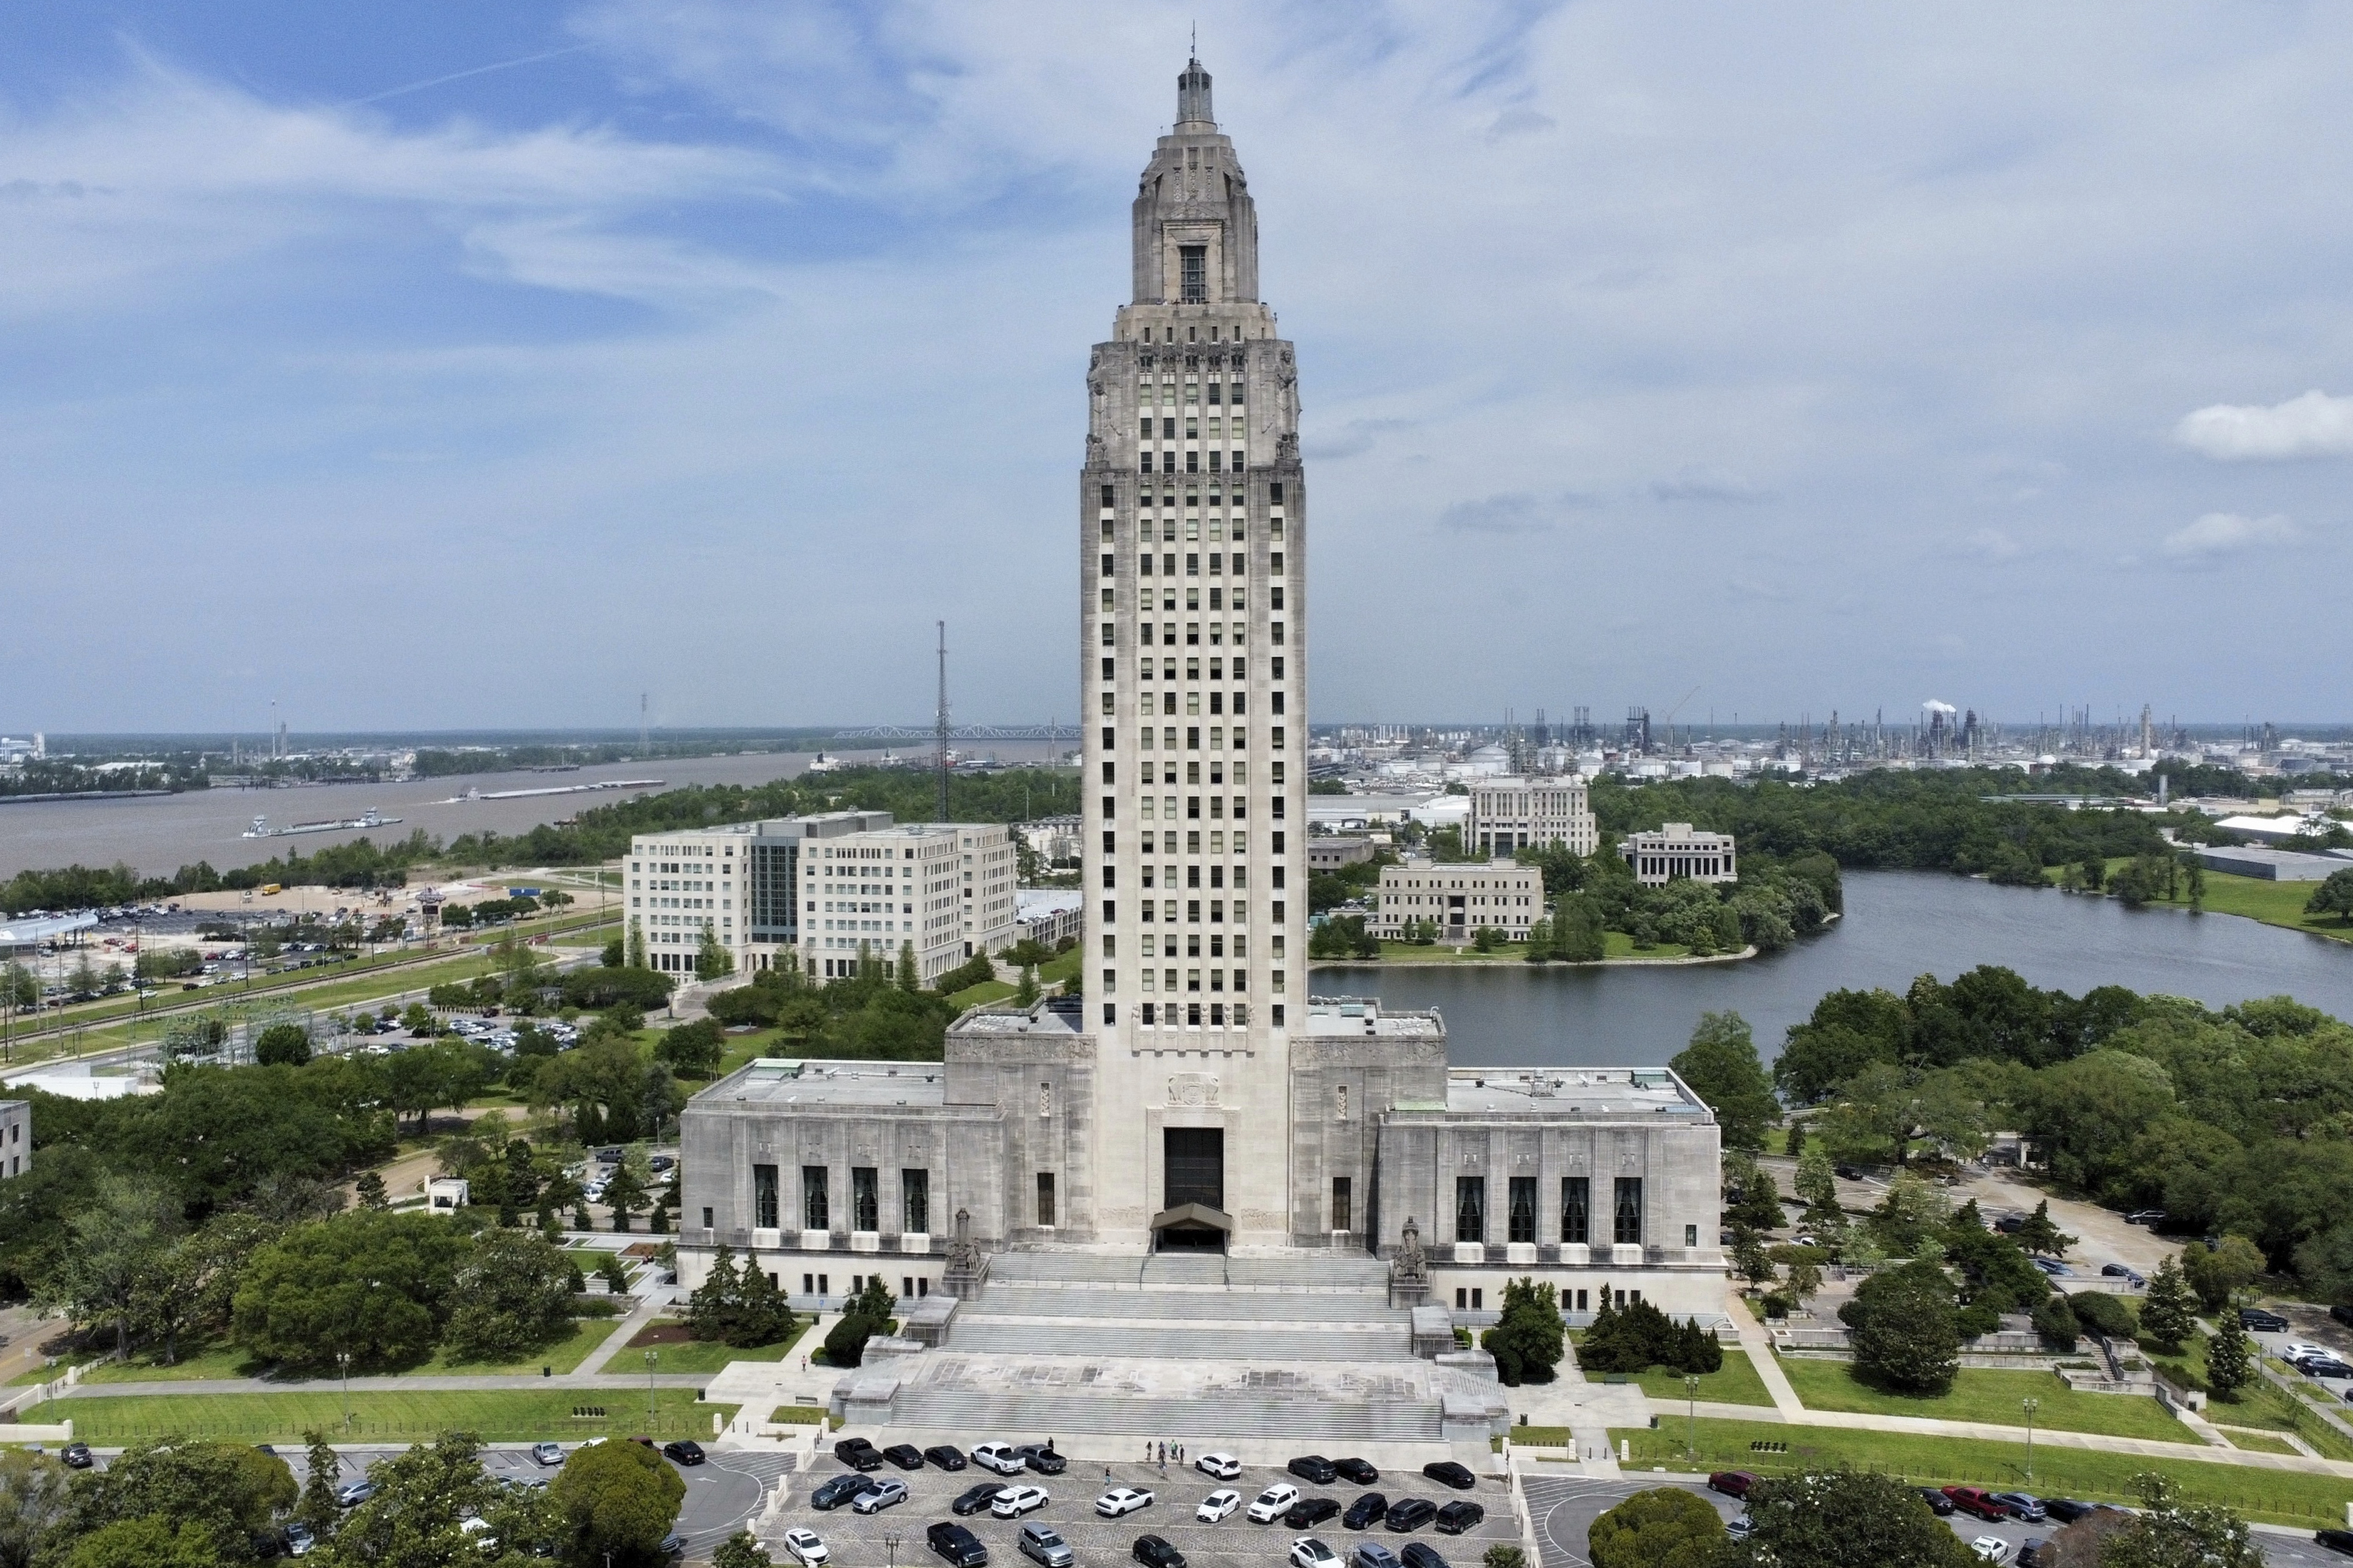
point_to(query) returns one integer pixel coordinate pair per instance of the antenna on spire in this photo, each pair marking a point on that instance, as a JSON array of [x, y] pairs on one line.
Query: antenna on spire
[[940, 731], [1193, 50]]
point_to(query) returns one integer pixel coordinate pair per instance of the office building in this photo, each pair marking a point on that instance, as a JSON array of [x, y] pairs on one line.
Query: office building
[[1511, 814], [1679, 850]]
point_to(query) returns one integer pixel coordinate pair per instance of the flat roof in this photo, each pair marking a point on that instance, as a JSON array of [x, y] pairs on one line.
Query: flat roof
[[781, 1081], [1002, 1019], [1572, 1091], [1361, 1016]]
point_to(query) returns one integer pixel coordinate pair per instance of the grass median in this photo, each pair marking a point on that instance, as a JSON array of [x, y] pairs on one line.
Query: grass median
[[1737, 1383], [676, 1354], [2282, 1496], [1992, 1397], [498, 1415]]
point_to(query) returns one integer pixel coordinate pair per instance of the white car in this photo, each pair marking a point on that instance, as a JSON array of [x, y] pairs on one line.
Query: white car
[[1309, 1553], [547, 1453], [1990, 1548], [1121, 1500], [2297, 1350], [887, 1493], [807, 1547], [1218, 1506], [1224, 1467], [1273, 1503], [1000, 1458], [1014, 1501]]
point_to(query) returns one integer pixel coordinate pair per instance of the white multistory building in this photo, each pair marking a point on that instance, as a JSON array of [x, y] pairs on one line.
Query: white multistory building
[[1511, 814], [1662, 855]]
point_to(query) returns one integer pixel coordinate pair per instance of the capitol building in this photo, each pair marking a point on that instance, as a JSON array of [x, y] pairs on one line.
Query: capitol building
[[1201, 1116]]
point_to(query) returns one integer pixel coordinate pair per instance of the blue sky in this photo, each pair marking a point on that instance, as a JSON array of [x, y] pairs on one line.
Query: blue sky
[[437, 365]]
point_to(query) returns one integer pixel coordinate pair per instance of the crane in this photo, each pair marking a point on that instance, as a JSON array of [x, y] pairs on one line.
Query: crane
[[1668, 721]]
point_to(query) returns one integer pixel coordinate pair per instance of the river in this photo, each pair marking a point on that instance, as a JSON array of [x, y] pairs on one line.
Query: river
[[1898, 925], [159, 834]]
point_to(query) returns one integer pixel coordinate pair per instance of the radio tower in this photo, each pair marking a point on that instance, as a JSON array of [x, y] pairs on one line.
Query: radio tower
[[645, 736], [940, 724]]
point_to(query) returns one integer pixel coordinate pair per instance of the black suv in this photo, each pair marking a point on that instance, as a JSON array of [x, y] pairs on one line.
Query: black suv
[[906, 1456], [1315, 1468], [1369, 1509], [858, 1454], [839, 1490], [1411, 1513], [2261, 1321], [1459, 1516], [1447, 1473], [1357, 1471], [1417, 1555], [960, 1546], [1310, 1511], [1155, 1552]]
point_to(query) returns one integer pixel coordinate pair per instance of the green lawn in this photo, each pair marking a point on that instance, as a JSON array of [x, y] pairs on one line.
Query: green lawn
[[2261, 1444], [976, 996], [1063, 965], [212, 1360], [501, 1416], [703, 1355], [206, 1360], [2253, 898], [562, 1355], [1991, 1397], [2283, 1497], [1737, 1383]]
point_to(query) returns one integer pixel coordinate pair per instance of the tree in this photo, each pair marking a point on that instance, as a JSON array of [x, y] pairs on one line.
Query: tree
[[282, 1045], [317, 1508], [372, 1283], [911, 979], [113, 1258], [1885, 1107], [1911, 1217], [712, 962], [1665, 1526], [2334, 897], [617, 1498], [209, 1497], [1905, 1329], [1503, 1556], [693, 1050], [370, 1190], [2230, 1361], [2167, 1534], [1527, 1341], [636, 953], [2222, 1272], [2056, 1322], [625, 1194], [1024, 995], [424, 1498], [711, 1307], [1722, 1068], [845, 1342], [33, 1501], [513, 1295], [1578, 936], [742, 1549], [1817, 1179], [1844, 1516], [2168, 1315], [613, 954], [2038, 1234], [1760, 1202], [1750, 1258]]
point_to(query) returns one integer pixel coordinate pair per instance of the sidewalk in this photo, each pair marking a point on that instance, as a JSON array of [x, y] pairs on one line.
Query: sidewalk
[[1758, 1343]]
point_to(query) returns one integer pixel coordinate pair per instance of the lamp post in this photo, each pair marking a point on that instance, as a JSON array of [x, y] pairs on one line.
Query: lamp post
[[343, 1361], [891, 1543], [1691, 1419], [650, 1356], [2030, 1405]]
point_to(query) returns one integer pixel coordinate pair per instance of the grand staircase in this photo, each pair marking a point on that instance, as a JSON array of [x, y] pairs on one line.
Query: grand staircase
[[1262, 1356]]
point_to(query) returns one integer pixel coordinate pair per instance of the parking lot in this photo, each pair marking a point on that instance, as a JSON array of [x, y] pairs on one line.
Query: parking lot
[[856, 1540]]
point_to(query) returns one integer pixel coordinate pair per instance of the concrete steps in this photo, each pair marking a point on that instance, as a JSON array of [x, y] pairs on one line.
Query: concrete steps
[[989, 1335], [1180, 1305], [1228, 1420], [1295, 1270]]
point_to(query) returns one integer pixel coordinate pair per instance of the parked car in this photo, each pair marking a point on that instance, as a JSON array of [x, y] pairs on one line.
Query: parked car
[[1977, 1503], [2034, 1554], [1739, 1530], [1155, 1552], [945, 1458], [1041, 1458], [1309, 1553], [1369, 1509], [298, 1539], [2023, 1506], [1417, 1555], [1014, 1501], [2342, 1313], [1223, 1467], [76, 1456], [547, 1453], [1991, 1548], [1310, 1511], [1459, 1516], [672, 1548], [2325, 1367], [999, 1457], [1938, 1503], [887, 1492], [2053, 1267], [960, 1546], [2114, 1271], [1409, 1513], [806, 1547], [2067, 1509], [841, 1489], [1447, 1473], [1043, 1543], [351, 1494], [1273, 1503], [2151, 1217], [1732, 1483], [906, 1456], [2335, 1539], [1218, 1506], [1120, 1501], [858, 1454], [2259, 1320], [1360, 1471], [1314, 1470], [685, 1450], [1373, 1554], [976, 1499]]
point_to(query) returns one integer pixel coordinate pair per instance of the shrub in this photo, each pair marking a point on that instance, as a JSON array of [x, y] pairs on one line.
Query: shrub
[[845, 1343], [1665, 1526], [2101, 1313]]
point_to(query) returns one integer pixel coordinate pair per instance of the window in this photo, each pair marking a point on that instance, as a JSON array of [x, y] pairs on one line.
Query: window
[[816, 1213], [1470, 1208], [764, 1197], [1523, 1208], [1575, 1199], [865, 1199], [1627, 1225], [1343, 1204], [1193, 262], [706, 1219], [1045, 1197]]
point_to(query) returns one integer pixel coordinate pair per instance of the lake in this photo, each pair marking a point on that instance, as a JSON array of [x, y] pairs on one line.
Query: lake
[[1898, 925]]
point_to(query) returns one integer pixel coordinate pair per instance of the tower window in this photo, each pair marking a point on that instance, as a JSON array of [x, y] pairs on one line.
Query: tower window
[[1194, 262]]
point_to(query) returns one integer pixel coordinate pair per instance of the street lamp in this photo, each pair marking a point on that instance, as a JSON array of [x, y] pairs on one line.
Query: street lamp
[[650, 1356], [891, 1543], [2031, 1406], [1691, 1427], [343, 1361]]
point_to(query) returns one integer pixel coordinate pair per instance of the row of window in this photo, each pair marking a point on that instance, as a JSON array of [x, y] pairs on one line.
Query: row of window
[[1167, 464], [1192, 945], [1167, 667], [1166, 631], [1189, 1015], [1166, 908], [1193, 980], [1161, 391], [1192, 564], [1192, 704], [1217, 736], [1576, 1210], [865, 1199]]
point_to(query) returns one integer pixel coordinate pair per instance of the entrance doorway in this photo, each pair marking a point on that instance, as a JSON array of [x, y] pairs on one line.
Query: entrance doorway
[[1193, 1180]]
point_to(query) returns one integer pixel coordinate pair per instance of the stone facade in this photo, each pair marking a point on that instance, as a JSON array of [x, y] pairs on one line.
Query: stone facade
[[1509, 814], [1680, 850], [1458, 898]]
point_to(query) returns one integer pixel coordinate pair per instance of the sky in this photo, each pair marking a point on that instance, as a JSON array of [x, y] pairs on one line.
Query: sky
[[429, 365]]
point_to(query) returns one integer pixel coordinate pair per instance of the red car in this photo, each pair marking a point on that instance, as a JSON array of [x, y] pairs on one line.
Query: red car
[[1978, 1501], [1731, 1483]]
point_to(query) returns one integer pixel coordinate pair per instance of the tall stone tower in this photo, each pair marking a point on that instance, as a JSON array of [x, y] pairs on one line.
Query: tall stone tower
[[1193, 662]]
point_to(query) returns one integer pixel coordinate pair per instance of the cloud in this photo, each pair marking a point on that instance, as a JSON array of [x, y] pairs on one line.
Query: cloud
[[2313, 426], [2219, 535], [1513, 513], [1706, 484], [1992, 544], [1521, 122], [1354, 437]]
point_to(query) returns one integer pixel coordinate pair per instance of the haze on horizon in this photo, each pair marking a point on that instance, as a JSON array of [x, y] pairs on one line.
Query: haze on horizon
[[436, 367]]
